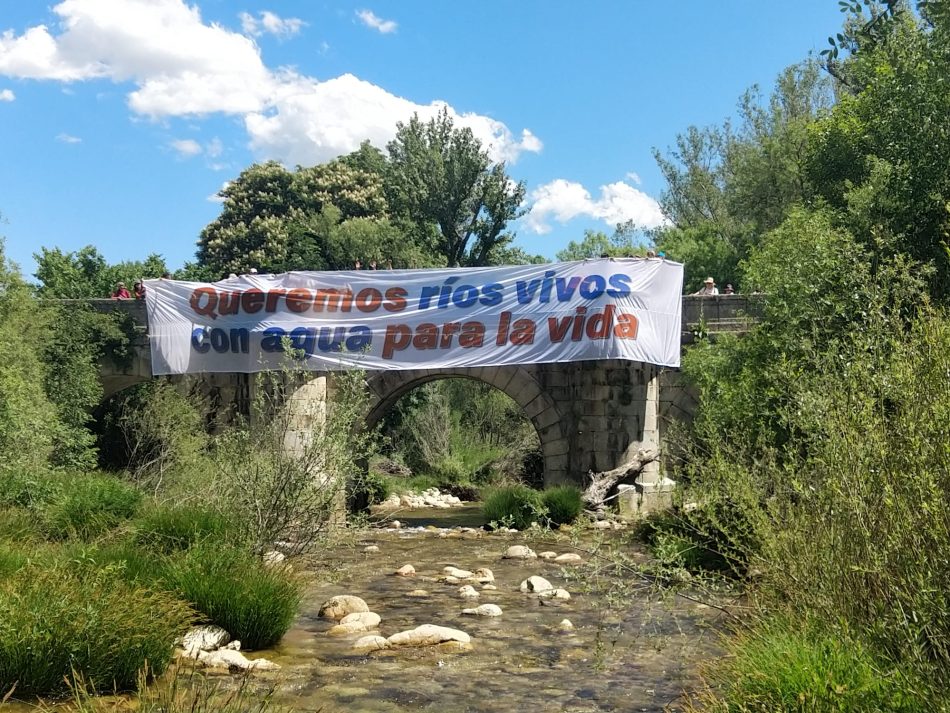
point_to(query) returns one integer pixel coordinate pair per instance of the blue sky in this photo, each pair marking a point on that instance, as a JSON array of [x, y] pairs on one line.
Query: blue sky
[[121, 119]]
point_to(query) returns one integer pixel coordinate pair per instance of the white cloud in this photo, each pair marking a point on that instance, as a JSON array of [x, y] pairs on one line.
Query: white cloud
[[372, 20], [7, 95], [216, 197], [562, 201], [271, 23], [68, 139], [312, 122], [635, 177], [214, 148], [186, 148], [181, 66]]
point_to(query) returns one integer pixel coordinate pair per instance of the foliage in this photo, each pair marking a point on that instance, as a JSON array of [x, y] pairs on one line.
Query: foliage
[[515, 506], [563, 504], [54, 621], [729, 185], [154, 430], [171, 528], [86, 274], [321, 217], [787, 665], [28, 421], [596, 244], [291, 494], [232, 588], [88, 506], [440, 176]]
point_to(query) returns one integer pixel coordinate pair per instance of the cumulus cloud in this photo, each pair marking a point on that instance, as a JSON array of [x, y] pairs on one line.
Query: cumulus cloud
[[635, 177], [562, 201], [272, 24], [214, 148], [372, 20], [68, 139], [311, 122], [186, 148], [7, 95], [181, 66]]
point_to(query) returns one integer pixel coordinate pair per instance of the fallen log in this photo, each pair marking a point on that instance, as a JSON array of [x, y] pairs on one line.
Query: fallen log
[[602, 483]]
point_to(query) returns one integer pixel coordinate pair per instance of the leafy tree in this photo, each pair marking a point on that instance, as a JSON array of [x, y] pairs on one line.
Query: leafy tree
[[28, 421], [882, 156], [440, 177], [596, 243], [729, 185], [86, 274]]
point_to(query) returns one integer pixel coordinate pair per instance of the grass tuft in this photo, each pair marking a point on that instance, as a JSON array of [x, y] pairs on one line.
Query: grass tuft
[[90, 506], [235, 590], [515, 506], [563, 504]]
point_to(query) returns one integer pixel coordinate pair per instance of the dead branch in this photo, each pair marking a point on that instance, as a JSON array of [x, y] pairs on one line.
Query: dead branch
[[603, 483]]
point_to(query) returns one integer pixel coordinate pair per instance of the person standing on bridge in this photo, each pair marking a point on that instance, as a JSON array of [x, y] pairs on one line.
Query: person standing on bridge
[[708, 289], [121, 293], [138, 289]]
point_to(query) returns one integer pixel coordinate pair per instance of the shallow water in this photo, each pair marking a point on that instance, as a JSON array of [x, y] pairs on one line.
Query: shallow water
[[631, 650], [636, 657]]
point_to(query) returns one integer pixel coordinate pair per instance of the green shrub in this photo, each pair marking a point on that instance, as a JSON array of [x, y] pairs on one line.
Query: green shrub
[[132, 562], [25, 488], [170, 528], [235, 590], [789, 666], [563, 503], [515, 506], [59, 620], [19, 525], [88, 506], [11, 560]]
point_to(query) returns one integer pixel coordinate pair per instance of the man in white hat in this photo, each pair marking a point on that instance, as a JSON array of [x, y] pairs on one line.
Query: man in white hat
[[709, 288]]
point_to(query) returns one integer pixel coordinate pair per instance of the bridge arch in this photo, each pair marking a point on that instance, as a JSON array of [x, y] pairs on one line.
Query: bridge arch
[[387, 387]]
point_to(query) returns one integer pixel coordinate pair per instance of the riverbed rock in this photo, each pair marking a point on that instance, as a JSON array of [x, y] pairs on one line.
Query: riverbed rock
[[456, 572], [559, 594], [547, 555], [534, 585], [484, 610], [601, 525], [566, 625], [519, 552], [468, 592], [489, 587], [371, 643], [428, 635], [235, 661], [233, 645], [371, 549], [368, 619], [483, 575], [205, 638], [273, 558], [396, 525], [407, 570], [569, 558], [449, 579], [417, 593], [354, 627], [339, 606]]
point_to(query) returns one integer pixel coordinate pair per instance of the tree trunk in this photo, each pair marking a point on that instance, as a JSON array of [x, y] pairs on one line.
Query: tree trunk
[[603, 483]]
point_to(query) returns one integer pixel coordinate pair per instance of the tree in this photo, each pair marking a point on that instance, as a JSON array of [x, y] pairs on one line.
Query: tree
[[85, 273], [276, 220], [595, 244], [729, 185], [440, 177]]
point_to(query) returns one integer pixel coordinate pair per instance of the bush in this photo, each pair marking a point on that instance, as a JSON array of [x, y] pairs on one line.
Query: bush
[[25, 488], [89, 506], [785, 666], [515, 506], [563, 503], [235, 590], [62, 619], [170, 528]]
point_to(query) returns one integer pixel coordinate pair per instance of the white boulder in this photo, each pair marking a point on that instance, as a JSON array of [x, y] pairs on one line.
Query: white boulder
[[484, 610], [428, 635], [339, 606]]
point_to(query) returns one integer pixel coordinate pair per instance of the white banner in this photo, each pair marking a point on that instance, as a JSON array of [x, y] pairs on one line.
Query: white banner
[[407, 319]]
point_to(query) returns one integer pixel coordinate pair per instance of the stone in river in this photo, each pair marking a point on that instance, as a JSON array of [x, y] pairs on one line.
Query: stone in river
[[519, 552], [536, 585], [339, 606]]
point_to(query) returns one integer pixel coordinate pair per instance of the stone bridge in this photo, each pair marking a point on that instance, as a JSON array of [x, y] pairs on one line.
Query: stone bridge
[[589, 416]]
